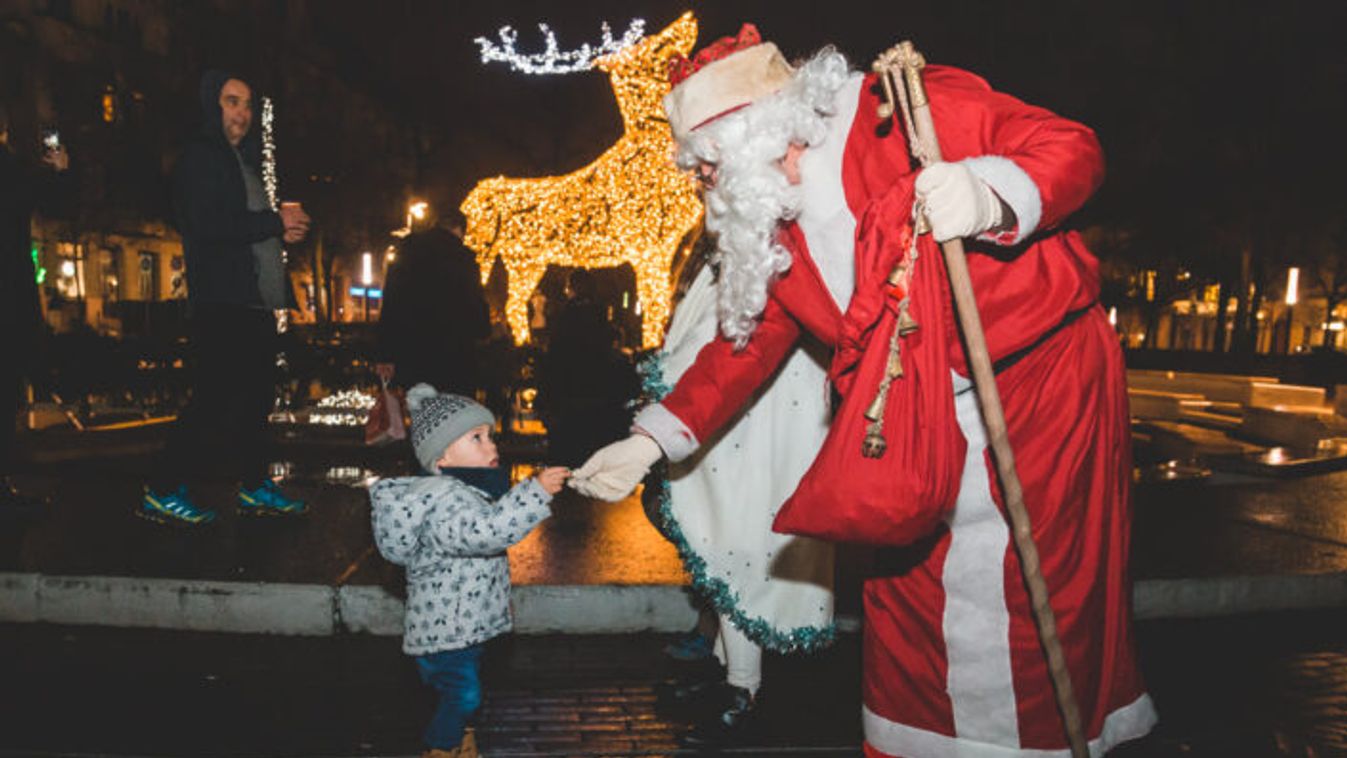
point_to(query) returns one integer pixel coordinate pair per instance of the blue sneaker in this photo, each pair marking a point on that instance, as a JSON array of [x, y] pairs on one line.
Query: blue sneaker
[[269, 500], [690, 647], [173, 508]]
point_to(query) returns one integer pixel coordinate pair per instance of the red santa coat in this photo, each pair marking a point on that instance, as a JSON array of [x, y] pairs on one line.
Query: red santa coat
[[953, 665]]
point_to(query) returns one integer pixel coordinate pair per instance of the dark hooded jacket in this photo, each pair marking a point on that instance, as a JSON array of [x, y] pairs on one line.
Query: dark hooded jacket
[[211, 205]]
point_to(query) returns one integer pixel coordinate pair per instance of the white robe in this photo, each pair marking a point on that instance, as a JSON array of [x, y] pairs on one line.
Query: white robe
[[721, 502]]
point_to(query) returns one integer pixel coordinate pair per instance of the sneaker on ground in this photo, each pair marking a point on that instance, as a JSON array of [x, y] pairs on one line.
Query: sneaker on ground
[[173, 508], [693, 646], [727, 719], [269, 500]]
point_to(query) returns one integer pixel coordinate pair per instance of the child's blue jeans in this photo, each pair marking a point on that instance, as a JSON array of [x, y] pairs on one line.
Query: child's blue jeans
[[456, 675]]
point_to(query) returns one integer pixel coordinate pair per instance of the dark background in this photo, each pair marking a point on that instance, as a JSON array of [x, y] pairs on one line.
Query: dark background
[[1221, 121]]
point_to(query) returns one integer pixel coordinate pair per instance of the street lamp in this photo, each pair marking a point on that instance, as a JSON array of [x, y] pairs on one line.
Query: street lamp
[[1292, 296], [366, 277], [417, 210]]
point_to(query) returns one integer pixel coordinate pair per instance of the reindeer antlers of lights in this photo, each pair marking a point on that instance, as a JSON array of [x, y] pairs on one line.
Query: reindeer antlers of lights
[[553, 60]]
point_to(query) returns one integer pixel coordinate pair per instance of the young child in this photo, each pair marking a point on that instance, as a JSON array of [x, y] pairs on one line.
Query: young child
[[450, 529]]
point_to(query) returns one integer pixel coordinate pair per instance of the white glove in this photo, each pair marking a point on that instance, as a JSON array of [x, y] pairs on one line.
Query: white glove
[[958, 204], [612, 472]]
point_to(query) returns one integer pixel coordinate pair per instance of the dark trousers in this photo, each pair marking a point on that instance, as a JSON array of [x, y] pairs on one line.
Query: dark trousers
[[456, 675], [223, 429]]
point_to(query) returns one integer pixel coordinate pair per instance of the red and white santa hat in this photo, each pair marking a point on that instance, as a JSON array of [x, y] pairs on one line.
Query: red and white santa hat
[[723, 77]]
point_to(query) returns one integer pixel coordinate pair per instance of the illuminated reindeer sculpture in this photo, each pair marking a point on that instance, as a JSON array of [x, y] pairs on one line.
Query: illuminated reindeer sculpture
[[631, 205]]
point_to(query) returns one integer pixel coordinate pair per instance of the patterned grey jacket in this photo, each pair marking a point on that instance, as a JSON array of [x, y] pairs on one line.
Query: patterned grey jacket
[[452, 539]]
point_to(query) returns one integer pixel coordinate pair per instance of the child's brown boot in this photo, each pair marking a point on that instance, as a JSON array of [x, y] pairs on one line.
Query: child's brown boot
[[468, 747]]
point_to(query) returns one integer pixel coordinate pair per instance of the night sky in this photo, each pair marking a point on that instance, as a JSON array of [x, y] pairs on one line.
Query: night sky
[[1187, 97]]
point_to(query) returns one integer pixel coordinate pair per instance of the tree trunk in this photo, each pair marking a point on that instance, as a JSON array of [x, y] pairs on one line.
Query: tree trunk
[[320, 281], [1255, 303], [1218, 337], [1239, 338]]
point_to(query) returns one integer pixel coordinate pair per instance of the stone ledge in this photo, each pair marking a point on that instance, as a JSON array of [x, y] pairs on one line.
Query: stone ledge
[[318, 610]]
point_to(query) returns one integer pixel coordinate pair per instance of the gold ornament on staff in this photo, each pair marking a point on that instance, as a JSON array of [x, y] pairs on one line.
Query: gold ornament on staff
[[899, 69]]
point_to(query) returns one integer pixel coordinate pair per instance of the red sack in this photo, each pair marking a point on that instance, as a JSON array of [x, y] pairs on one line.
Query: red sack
[[904, 494], [385, 423]]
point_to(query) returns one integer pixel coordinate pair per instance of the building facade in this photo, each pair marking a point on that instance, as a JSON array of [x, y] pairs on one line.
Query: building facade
[[118, 80]]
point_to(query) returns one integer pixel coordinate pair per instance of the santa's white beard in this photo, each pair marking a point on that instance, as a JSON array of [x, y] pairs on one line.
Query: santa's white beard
[[752, 196]]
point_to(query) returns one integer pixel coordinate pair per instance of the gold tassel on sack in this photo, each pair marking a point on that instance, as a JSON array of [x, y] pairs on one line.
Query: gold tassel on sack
[[906, 324], [874, 444]]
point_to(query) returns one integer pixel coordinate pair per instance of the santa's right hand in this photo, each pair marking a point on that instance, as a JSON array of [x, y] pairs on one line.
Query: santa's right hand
[[613, 471]]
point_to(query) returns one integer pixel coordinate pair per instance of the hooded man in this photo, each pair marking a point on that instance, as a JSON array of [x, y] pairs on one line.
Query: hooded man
[[811, 196], [235, 284]]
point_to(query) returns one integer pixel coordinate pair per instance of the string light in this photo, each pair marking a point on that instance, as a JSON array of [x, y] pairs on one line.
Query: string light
[[270, 183], [631, 205], [346, 408], [269, 152], [552, 60]]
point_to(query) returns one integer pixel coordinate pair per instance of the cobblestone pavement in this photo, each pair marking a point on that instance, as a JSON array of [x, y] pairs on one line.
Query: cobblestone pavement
[[1272, 685]]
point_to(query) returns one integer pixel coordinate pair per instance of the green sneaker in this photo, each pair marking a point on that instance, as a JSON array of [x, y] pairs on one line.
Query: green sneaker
[[269, 500], [173, 508]]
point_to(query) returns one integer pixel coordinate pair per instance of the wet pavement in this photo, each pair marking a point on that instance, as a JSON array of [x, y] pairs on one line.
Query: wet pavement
[[1227, 525], [89, 528], [1251, 687], [1233, 525]]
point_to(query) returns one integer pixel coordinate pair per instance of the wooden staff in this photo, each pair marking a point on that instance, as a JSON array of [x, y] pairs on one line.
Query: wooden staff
[[900, 70]]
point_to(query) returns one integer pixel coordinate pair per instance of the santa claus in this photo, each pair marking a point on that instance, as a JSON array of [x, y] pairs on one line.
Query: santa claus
[[810, 194]]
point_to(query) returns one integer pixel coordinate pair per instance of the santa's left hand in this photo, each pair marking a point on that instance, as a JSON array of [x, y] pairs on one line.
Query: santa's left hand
[[958, 204]]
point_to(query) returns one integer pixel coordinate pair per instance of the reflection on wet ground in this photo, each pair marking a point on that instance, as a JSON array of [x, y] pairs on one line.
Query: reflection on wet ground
[[593, 542], [1329, 455], [585, 542], [283, 472], [1240, 525], [1225, 524], [1171, 471]]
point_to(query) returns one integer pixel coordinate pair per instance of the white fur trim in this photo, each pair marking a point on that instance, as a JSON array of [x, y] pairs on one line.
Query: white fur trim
[[825, 218], [1127, 723], [976, 623], [1014, 186], [673, 436], [724, 85]]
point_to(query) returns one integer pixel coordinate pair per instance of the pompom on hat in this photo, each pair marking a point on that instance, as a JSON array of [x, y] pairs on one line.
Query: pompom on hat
[[728, 74]]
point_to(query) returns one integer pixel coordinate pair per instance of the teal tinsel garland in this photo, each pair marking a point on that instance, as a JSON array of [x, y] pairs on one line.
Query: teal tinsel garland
[[716, 591]]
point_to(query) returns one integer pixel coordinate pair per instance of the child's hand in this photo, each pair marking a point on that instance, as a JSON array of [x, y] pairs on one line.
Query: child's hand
[[553, 477]]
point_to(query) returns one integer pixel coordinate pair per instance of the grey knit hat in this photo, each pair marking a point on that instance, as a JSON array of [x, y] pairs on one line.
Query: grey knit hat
[[439, 418]]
